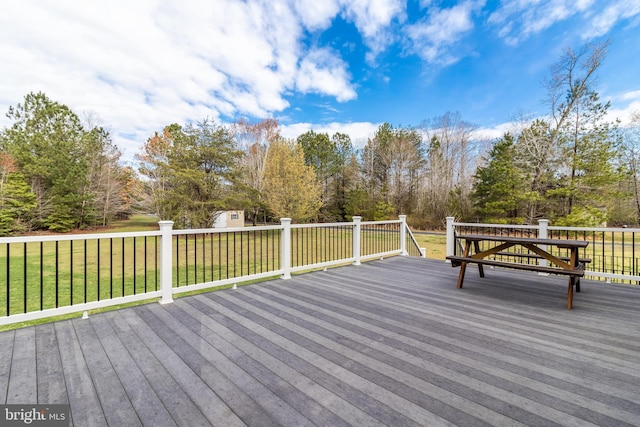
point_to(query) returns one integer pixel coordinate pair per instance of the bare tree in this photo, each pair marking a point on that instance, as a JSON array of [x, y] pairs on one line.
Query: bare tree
[[154, 163], [255, 140], [452, 156], [632, 158]]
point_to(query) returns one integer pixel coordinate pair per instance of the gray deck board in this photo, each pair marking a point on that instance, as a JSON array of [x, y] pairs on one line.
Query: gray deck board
[[390, 342], [23, 385], [86, 409], [6, 352], [51, 384]]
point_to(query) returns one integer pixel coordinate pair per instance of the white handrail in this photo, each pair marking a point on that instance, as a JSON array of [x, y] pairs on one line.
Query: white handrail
[[166, 250]]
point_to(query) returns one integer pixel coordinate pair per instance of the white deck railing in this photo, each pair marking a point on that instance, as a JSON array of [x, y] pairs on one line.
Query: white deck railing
[[44, 276]]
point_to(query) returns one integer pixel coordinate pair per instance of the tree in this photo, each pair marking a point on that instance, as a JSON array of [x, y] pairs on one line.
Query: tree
[[405, 158], [628, 209], [154, 166], [254, 139], [328, 156], [191, 172], [17, 201], [538, 156], [46, 141], [447, 183], [391, 163], [291, 188], [587, 141], [107, 181], [500, 188]]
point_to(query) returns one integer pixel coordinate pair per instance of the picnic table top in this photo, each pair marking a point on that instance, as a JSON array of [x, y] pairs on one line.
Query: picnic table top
[[561, 243]]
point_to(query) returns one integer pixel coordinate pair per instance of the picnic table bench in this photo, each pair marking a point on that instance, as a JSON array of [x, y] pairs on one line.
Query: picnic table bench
[[571, 266]]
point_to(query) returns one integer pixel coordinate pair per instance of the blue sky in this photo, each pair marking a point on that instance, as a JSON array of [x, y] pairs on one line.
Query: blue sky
[[327, 65]]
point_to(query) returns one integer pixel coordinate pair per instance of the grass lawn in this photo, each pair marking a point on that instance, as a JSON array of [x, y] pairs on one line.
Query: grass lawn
[[435, 244]]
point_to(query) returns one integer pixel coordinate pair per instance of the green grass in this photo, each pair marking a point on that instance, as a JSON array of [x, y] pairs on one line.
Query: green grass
[[434, 243], [134, 223]]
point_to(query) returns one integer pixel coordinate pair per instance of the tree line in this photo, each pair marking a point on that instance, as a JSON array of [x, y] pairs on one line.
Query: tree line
[[571, 165]]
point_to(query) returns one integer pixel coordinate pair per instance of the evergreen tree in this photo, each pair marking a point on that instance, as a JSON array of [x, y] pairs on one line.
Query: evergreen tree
[[202, 165], [328, 156], [499, 189], [17, 203], [191, 171], [46, 140]]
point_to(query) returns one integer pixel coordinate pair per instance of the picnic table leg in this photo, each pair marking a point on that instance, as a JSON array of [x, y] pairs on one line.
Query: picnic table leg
[[476, 246], [574, 264], [463, 265], [570, 293]]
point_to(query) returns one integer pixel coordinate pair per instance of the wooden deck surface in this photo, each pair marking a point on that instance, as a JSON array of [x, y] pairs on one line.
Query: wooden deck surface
[[390, 342]]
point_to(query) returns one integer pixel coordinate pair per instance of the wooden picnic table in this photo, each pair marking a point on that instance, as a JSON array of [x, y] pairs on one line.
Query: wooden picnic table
[[571, 266]]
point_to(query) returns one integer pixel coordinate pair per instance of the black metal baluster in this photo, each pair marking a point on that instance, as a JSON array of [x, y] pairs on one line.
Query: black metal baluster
[[57, 273], [227, 239], [85, 271], [8, 278], [204, 257], [623, 258], [219, 256], [603, 254], [135, 270], [111, 268], [156, 262], [41, 276], [178, 260], [123, 266], [71, 272], [211, 256], [186, 259], [634, 270], [145, 264], [99, 270], [255, 254], [278, 237], [235, 253], [195, 258], [24, 274]]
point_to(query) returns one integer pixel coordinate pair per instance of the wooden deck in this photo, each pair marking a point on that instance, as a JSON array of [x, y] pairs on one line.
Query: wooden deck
[[390, 342]]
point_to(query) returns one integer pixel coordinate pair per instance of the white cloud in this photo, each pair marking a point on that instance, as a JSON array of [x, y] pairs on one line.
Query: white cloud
[[626, 108], [323, 72], [497, 131], [317, 15], [611, 15], [140, 65], [632, 95], [433, 37], [359, 132], [373, 19], [519, 19]]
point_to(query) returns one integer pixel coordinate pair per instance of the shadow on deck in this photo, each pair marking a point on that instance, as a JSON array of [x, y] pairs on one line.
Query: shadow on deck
[[390, 342]]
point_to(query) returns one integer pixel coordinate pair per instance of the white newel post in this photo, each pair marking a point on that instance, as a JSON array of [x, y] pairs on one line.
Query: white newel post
[[285, 253], [543, 234], [357, 228], [166, 259], [451, 239], [403, 235]]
